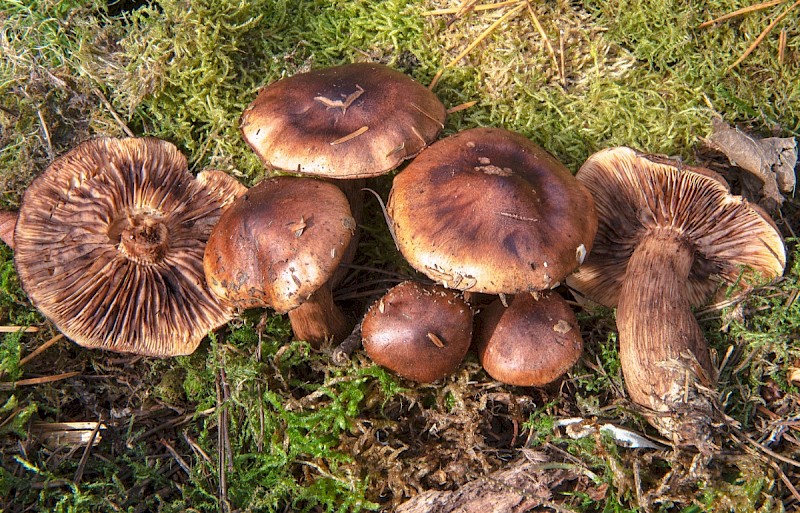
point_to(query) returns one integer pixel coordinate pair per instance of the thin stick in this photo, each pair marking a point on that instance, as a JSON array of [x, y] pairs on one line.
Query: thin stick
[[85, 456], [484, 7], [563, 69], [542, 33], [763, 35], [114, 114], [486, 33], [38, 381], [745, 10], [181, 462], [169, 424], [41, 349]]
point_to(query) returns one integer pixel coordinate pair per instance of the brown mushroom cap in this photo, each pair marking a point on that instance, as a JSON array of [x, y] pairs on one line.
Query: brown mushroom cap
[[532, 342], [351, 121], [421, 332], [109, 246], [487, 210], [279, 243], [636, 194]]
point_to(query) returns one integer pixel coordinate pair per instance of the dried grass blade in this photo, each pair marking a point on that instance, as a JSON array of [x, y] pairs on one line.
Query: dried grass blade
[[483, 7], [486, 33]]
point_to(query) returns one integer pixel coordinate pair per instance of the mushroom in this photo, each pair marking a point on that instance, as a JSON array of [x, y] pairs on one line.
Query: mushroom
[[669, 237], [278, 246], [109, 246], [532, 342], [487, 210], [421, 332], [8, 220], [351, 121]]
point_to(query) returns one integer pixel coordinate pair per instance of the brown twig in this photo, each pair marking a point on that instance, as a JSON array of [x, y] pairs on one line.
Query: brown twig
[[463, 106], [181, 462], [170, 424], [14, 329]]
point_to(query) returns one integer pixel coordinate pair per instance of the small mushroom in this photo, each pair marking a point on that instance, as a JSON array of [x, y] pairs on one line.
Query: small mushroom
[[109, 246], [278, 246], [351, 121], [421, 332], [532, 342], [8, 220], [487, 210], [669, 238]]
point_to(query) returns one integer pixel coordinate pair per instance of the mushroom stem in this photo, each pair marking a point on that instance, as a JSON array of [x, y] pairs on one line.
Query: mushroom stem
[[8, 221], [319, 319], [663, 353]]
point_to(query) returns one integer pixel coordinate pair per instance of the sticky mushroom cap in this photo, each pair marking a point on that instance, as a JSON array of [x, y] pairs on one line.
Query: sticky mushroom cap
[[421, 332], [109, 246], [351, 121], [636, 194], [278, 243], [487, 210], [532, 342]]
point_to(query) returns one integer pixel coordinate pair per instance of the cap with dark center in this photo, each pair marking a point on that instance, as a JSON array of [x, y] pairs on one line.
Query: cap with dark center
[[278, 246], [421, 332], [109, 246], [532, 342], [669, 237], [487, 210], [352, 121]]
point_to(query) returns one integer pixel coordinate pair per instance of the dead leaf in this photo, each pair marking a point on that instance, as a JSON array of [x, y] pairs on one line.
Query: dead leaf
[[771, 160]]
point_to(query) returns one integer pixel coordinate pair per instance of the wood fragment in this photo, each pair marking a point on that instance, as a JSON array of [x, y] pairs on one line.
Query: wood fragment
[[782, 40], [436, 79], [435, 340], [523, 485]]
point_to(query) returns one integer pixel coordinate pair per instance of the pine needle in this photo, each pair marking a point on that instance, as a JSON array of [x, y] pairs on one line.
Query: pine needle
[[739, 12], [763, 35]]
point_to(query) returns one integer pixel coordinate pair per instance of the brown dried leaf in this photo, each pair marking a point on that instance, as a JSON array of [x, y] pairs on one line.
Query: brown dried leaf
[[771, 160]]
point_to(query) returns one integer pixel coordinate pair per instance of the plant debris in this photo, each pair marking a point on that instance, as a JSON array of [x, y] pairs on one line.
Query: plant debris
[[771, 160]]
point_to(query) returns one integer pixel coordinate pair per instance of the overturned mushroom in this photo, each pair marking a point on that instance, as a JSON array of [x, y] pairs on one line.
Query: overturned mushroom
[[278, 246], [421, 332], [109, 246], [669, 238]]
